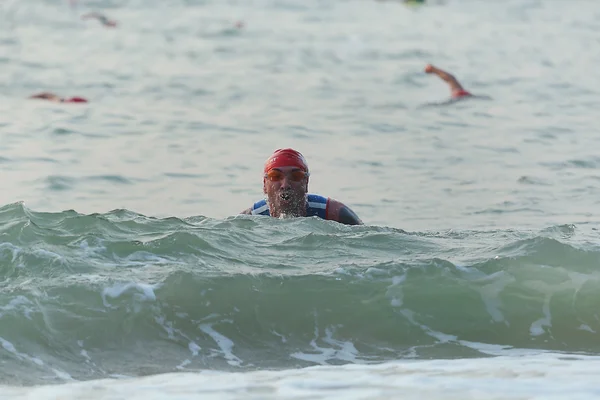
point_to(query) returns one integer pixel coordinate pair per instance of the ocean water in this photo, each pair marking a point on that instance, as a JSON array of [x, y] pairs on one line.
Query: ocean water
[[125, 271]]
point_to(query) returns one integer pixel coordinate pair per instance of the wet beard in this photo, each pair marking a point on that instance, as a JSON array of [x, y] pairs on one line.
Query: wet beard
[[290, 206]]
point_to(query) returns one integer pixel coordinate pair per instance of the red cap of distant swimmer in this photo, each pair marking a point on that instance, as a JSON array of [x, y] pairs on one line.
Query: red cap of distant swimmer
[[76, 100]]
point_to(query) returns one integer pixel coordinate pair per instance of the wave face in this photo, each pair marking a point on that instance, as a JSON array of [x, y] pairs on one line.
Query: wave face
[[121, 294]]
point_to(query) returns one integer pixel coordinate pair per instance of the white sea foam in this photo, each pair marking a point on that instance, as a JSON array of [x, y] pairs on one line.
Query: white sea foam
[[532, 376], [141, 291], [224, 343]]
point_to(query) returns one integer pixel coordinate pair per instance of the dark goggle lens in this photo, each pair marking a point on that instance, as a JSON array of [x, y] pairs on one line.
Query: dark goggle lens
[[295, 176]]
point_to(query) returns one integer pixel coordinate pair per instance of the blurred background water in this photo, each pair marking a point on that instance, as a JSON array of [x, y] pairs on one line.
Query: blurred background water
[[121, 252]]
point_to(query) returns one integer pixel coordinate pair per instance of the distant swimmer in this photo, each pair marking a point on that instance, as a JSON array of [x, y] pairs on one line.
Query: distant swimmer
[[456, 89], [100, 17], [54, 98], [285, 185], [409, 2]]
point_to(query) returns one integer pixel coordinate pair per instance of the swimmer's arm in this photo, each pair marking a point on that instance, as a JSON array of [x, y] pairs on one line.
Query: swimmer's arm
[[46, 96], [247, 211], [348, 217], [338, 211], [455, 86]]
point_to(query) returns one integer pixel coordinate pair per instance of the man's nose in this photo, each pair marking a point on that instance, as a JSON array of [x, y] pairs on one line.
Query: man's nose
[[286, 182]]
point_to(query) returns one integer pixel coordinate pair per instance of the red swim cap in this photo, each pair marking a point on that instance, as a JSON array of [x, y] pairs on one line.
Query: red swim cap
[[460, 93], [286, 158], [76, 100]]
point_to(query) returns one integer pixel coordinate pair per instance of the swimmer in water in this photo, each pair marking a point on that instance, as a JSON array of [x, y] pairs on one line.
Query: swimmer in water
[[456, 89], [100, 17], [409, 2], [54, 98], [285, 185]]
